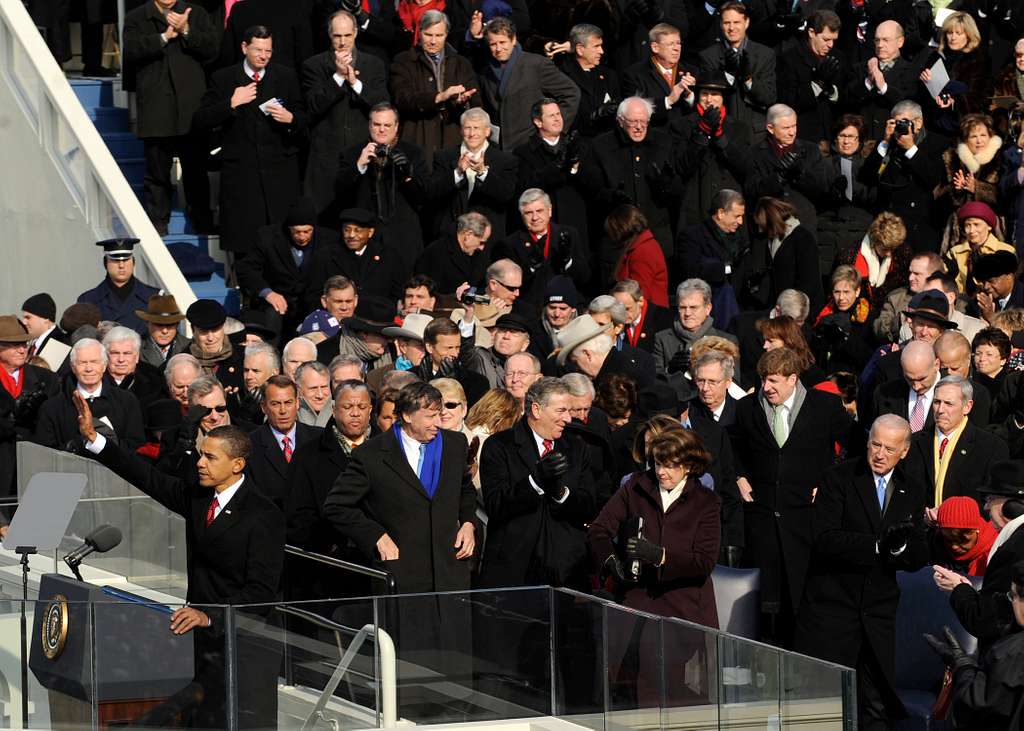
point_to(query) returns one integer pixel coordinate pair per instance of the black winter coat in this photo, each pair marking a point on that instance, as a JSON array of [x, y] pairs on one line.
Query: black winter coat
[[446, 263]]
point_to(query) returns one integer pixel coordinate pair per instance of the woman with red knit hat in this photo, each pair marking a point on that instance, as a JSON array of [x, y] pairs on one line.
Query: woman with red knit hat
[[962, 538]]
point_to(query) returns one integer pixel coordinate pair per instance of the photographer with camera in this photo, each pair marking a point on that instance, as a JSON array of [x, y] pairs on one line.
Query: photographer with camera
[[386, 176], [905, 167]]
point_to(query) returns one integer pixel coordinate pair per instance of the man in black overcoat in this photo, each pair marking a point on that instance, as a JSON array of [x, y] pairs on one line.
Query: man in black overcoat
[[235, 551], [279, 441], [165, 51], [868, 521], [886, 79], [600, 92], [812, 76], [276, 274], [260, 114], [784, 439], [662, 78], [338, 112], [458, 258]]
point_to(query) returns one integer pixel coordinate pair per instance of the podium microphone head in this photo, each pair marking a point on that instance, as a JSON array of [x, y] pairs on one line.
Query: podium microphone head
[[104, 538]]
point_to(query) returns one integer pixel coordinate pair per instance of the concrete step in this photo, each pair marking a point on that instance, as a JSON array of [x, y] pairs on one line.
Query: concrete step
[[123, 144], [94, 92]]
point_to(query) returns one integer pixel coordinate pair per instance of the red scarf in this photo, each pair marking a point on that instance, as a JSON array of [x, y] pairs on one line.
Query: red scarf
[[977, 557], [861, 308], [547, 240], [13, 387], [721, 120], [411, 14]]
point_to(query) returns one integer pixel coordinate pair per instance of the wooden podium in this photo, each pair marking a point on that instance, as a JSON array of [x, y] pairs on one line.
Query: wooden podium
[[114, 648]]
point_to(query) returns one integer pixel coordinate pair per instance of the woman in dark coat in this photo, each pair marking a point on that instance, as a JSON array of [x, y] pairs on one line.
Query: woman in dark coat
[[966, 62], [662, 565], [842, 331], [792, 252], [429, 98]]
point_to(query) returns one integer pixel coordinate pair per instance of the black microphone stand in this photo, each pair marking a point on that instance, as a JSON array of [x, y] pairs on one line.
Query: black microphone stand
[[24, 551]]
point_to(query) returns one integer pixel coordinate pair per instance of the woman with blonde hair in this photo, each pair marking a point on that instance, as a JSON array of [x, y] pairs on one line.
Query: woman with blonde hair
[[497, 410], [882, 259], [783, 332], [963, 55]]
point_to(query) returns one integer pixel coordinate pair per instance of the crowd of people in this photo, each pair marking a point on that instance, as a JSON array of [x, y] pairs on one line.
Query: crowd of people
[[593, 295]]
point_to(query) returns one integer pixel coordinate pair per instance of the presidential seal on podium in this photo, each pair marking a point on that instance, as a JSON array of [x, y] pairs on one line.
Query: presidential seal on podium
[[55, 626]]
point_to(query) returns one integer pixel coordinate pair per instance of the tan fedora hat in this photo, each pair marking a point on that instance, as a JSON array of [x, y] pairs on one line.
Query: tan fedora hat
[[577, 332], [161, 309], [12, 331]]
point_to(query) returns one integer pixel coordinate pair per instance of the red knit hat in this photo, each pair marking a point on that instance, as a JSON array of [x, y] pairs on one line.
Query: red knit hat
[[959, 512], [977, 209]]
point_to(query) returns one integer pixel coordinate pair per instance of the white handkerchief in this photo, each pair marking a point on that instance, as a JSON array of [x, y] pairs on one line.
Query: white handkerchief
[[265, 106]]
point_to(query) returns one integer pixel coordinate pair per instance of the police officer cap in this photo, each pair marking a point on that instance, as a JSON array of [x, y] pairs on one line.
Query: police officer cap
[[118, 249], [1005, 479], [358, 216], [206, 314]]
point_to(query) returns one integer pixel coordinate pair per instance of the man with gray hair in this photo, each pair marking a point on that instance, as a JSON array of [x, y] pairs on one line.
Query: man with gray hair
[[454, 261], [544, 249], [531, 476], [116, 413], [181, 370], [672, 346], [472, 176], [598, 83], [128, 371], [314, 382], [868, 519], [953, 455], [905, 167], [296, 352], [635, 164], [713, 251], [645, 319], [608, 310], [713, 375]]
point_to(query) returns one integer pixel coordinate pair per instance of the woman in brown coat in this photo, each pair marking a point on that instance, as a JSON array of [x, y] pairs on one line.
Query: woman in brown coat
[[431, 86]]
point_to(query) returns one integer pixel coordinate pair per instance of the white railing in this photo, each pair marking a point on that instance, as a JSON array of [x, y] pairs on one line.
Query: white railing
[[97, 201]]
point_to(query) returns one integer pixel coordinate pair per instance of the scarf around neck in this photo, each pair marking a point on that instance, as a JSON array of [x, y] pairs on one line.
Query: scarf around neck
[[210, 360], [691, 337], [874, 270], [430, 471], [775, 244], [977, 558]]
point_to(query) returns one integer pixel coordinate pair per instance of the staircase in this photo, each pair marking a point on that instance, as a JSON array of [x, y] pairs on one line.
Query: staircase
[[112, 122]]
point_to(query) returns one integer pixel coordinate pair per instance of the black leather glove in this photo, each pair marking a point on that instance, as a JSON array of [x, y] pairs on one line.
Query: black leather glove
[[838, 188], [827, 72], [189, 429], [661, 177], [561, 253], [614, 567], [744, 71], [549, 472], [449, 368], [791, 165], [949, 650], [731, 61], [605, 111], [401, 162], [573, 150], [26, 408], [641, 549], [710, 121], [680, 362], [895, 537]]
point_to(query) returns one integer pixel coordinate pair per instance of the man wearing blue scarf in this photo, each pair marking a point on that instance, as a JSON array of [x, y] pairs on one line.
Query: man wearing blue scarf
[[405, 498]]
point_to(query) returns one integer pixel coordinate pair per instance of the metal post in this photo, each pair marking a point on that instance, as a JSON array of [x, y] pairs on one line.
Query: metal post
[[230, 671], [120, 39], [24, 551]]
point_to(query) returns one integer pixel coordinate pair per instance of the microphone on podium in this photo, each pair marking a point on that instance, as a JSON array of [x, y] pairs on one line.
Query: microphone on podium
[[101, 540]]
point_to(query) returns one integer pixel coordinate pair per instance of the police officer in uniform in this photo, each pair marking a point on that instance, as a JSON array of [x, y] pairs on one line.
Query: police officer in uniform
[[120, 293]]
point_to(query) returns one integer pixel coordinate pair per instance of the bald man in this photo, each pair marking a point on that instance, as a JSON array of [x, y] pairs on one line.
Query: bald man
[[954, 353], [911, 396], [883, 80]]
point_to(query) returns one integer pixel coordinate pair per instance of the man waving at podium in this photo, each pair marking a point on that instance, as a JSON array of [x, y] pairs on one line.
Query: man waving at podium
[[235, 540]]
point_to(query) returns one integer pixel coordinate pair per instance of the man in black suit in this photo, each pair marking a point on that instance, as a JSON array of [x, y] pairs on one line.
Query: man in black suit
[[235, 543], [713, 249], [261, 115], [378, 266], [459, 258], [712, 375], [39, 316], [442, 340], [340, 85], [276, 274], [662, 79], [24, 389], [166, 46], [537, 504], [868, 521], [888, 78], [963, 451], [475, 176], [128, 372], [276, 443], [911, 395], [812, 78], [645, 319], [598, 84], [784, 439], [387, 176], [747, 65], [117, 412], [905, 167], [543, 249], [406, 498], [512, 80]]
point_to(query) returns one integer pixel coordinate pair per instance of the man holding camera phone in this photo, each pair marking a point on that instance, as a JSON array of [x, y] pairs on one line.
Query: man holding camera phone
[[906, 166]]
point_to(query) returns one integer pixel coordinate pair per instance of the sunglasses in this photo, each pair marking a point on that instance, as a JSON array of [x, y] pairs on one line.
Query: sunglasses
[[219, 409], [452, 405]]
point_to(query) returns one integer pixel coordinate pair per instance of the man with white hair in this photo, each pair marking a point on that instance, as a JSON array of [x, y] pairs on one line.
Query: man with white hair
[[116, 413], [635, 164], [712, 375], [672, 346], [544, 248], [475, 176], [315, 404], [128, 371], [522, 370], [182, 369], [587, 345], [296, 352]]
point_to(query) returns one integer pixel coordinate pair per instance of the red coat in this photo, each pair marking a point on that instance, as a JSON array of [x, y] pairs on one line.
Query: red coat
[[644, 261], [690, 532]]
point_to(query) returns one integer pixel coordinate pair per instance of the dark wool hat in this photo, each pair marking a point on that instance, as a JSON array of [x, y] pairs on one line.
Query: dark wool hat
[[989, 266], [81, 313], [1005, 479], [41, 305], [257, 323], [561, 289], [302, 213], [358, 216], [931, 304], [512, 322], [714, 81], [206, 314]]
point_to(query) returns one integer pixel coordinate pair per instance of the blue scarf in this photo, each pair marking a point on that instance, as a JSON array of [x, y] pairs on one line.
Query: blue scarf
[[502, 71], [430, 471]]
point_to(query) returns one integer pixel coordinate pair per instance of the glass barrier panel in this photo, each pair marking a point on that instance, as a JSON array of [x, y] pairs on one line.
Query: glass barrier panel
[[748, 683], [309, 665], [815, 694], [634, 668], [690, 654], [578, 650]]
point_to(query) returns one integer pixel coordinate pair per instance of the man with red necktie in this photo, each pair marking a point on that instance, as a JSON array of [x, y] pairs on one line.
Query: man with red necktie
[[645, 318]]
